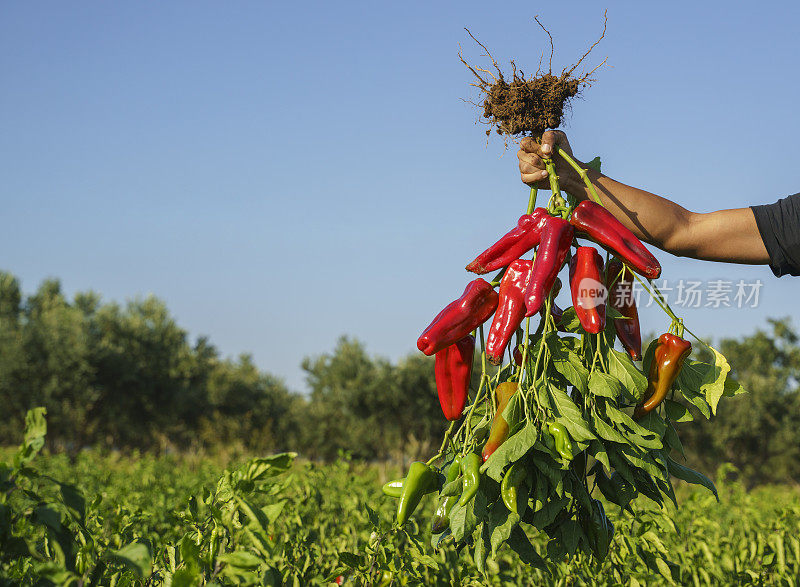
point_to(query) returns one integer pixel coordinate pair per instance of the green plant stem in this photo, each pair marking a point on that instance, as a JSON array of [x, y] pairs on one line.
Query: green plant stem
[[444, 443], [582, 172], [532, 200]]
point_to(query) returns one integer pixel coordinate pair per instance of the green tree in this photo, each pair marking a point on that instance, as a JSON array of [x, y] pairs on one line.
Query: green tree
[[759, 432]]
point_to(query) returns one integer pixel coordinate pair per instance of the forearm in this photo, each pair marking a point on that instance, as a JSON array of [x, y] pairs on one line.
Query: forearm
[[726, 235]]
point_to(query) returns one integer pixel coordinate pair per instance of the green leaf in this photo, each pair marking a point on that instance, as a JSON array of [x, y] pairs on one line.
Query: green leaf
[[135, 556], [706, 379], [501, 523], [672, 440], [636, 434], [185, 578], [732, 387], [594, 164], [623, 369], [262, 468], [510, 451], [546, 515], [73, 499], [677, 412], [697, 400], [606, 430], [690, 476], [654, 423], [567, 362], [569, 320], [598, 451], [242, 559], [519, 542], [570, 416], [605, 385]]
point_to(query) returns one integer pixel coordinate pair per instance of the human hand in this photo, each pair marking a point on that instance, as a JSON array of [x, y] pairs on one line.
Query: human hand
[[532, 167]]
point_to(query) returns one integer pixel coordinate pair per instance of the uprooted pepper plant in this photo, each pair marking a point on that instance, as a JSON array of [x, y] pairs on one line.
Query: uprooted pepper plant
[[570, 416]]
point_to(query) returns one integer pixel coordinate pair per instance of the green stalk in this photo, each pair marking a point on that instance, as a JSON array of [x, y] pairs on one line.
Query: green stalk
[[582, 172], [532, 200]]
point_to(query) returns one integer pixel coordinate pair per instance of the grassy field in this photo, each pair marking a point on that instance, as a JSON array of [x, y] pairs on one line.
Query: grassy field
[[187, 520]]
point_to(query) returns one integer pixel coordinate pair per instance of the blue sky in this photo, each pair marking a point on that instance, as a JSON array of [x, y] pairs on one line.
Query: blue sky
[[285, 173]]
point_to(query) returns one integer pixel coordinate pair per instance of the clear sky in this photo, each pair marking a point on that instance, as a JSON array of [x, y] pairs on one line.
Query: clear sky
[[285, 173]]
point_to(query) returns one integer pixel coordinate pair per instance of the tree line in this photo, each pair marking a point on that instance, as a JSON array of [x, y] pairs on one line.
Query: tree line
[[128, 377]]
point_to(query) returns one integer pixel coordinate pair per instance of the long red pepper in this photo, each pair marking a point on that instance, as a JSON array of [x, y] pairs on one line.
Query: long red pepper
[[459, 317], [510, 309], [671, 352], [602, 227], [620, 296], [453, 371], [550, 256], [588, 291], [511, 246]]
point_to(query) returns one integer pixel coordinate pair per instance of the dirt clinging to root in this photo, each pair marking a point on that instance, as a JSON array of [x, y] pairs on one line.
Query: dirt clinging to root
[[527, 106]]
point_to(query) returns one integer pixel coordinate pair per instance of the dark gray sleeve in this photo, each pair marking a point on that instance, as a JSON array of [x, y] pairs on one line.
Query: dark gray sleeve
[[779, 225]]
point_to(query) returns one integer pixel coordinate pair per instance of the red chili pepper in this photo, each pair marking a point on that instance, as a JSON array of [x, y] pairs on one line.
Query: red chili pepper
[[620, 296], [513, 244], [602, 227], [671, 352], [518, 357], [453, 371], [459, 317], [510, 309], [550, 256], [588, 291]]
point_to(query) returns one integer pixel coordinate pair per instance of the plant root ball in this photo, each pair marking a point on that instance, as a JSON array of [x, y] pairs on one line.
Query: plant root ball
[[528, 106]]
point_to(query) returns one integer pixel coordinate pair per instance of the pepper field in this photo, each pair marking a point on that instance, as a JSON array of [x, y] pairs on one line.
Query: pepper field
[[144, 520]]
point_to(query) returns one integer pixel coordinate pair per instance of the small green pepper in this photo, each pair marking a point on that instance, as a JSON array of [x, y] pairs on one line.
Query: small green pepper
[[420, 481], [394, 488], [513, 487], [441, 518], [562, 440], [471, 469]]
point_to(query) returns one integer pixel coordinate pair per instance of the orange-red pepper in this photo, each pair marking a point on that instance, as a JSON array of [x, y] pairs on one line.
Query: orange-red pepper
[[671, 352], [602, 227], [620, 296], [512, 245], [510, 309], [550, 257], [459, 317], [453, 372], [588, 291]]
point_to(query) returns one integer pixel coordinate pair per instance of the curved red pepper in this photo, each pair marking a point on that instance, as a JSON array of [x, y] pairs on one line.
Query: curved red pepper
[[550, 256], [671, 352], [513, 244], [459, 317], [510, 309], [453, 371], [620, 296], [588, 291], [602, 227]]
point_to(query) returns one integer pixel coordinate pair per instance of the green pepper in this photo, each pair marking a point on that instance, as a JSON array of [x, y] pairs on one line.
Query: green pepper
[[471, 469], [441, 519], [394, 488], [562, 440], [420, 481], [513, 487]]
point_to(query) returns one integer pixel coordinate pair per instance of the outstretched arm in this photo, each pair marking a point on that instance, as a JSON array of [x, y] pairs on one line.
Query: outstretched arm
[[726, 235]]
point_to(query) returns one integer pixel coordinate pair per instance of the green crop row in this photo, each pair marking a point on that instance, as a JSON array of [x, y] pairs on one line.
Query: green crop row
[[178, 520]]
